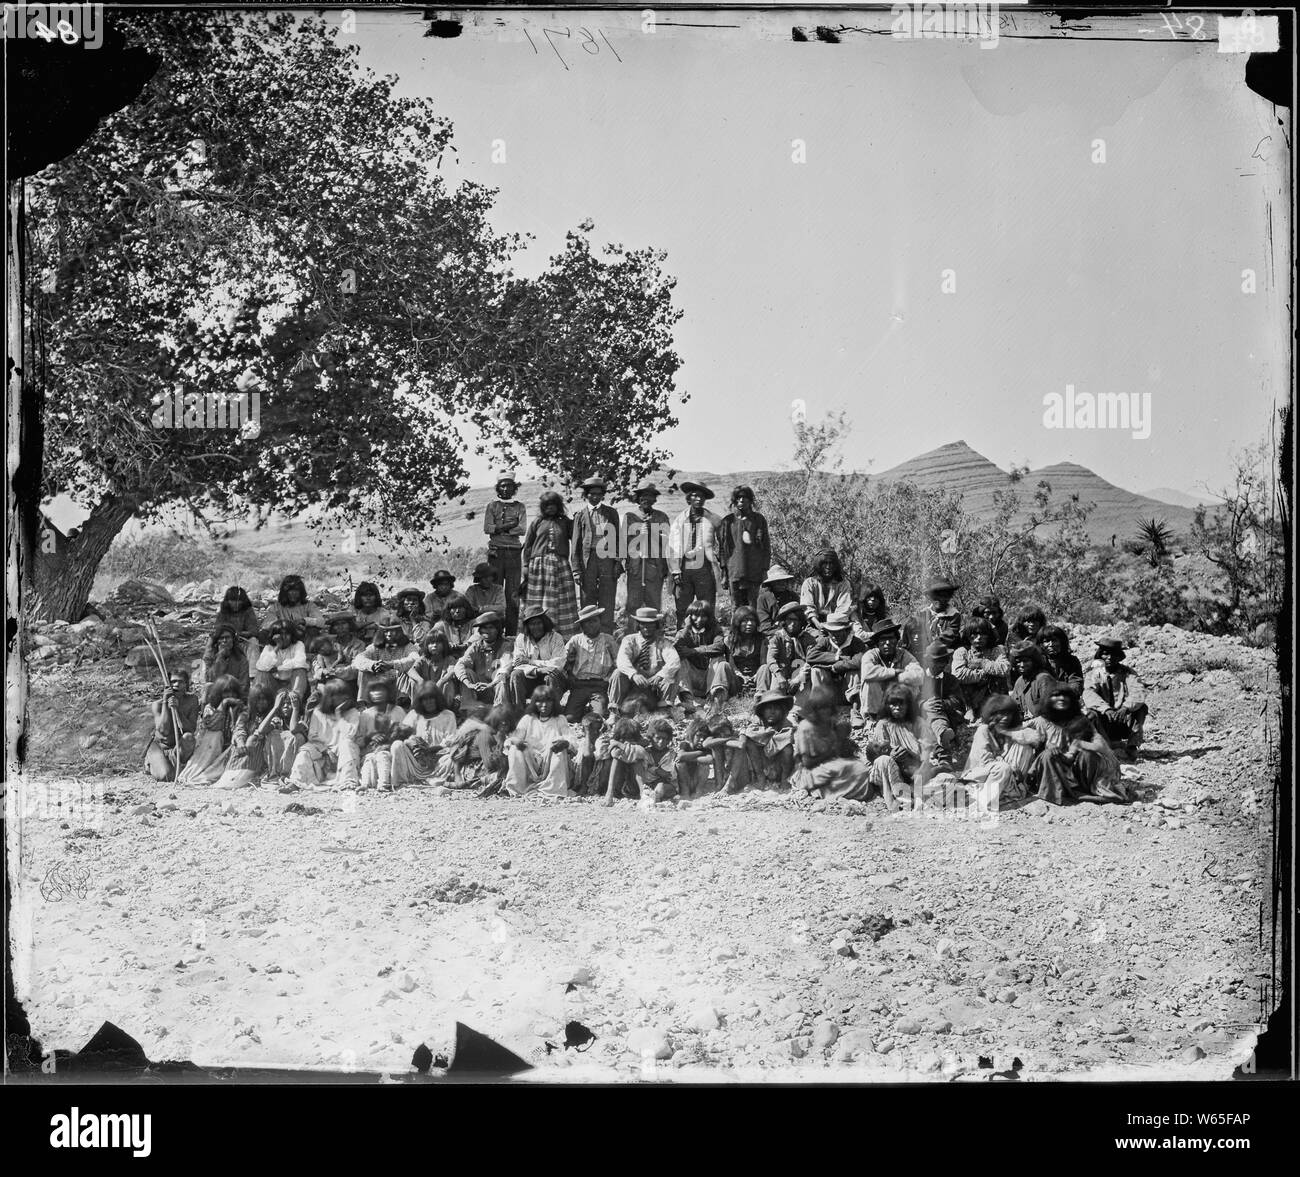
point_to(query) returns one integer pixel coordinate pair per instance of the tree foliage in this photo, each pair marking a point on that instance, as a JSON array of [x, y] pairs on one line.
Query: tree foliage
[[270, 218]]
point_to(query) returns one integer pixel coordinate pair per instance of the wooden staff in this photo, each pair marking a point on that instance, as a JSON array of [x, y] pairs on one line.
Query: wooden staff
[[156, 649]]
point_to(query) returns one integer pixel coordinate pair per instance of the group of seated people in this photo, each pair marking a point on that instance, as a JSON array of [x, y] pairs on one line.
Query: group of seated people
[[429, 690]]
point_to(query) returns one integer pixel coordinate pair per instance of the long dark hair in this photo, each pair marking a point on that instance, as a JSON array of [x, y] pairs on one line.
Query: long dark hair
[[292, 581], [225, 686], [551, 496], [1047, 633], [824, 555], [241, 599], [539, 695], [428, 700], [260, 701], [367, 587], [901, 694], [414, 595], [738, 639], [236, 649]]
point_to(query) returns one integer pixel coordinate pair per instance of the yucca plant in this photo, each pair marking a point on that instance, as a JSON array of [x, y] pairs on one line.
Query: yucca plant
[[1156, 535]]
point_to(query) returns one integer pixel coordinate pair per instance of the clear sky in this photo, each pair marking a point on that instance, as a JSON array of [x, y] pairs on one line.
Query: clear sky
[[822, 280]]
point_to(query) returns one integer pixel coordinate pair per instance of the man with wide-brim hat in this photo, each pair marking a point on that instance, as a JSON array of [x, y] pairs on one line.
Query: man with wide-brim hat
[[590, 656], [694, 570], [391, 655], [538, 658], [778, 588], [648, 663], [835, 658], [486, 594], [1114, 698], [943, 707], [483, 670], [644, 544], [594, 551], [744, 547], [938, 622], [786, 668], [505, 521], [887, 662]]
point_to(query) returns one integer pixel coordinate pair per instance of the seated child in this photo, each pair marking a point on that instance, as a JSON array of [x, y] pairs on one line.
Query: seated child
[[825, 765], [706, 743], [437, 665], [1000, 756], [221, 704], [475, 754], [628, 757], [328, 741], [541, 751], [282, 664], [262, 745], [378, 725], [895, 748], [764, 748]]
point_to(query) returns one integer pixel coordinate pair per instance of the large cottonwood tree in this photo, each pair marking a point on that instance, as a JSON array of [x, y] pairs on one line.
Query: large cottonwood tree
[[272, 218]]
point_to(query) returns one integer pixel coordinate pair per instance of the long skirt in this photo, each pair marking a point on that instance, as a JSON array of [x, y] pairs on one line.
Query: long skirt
[[550, 587], [531, 769], [209, 760], [415, 763], [1094, 776], [842, 778], [315, 764], [994, 784], [270, 756]]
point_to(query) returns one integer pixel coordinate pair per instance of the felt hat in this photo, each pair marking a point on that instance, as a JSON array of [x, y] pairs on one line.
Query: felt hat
[[646, 488], [838, 620], [776, 573], [484, 569], [941, 585], [591, 483], [531, 614], [937, 652], [690, 488], [1020, 649], [384, 631], [442, 574], [1110, 644], [772, 697], [489, 618], [791, 607], [507, 476], [410, 592], [589, 611], [648, 615], [341, 619], [883, 626]]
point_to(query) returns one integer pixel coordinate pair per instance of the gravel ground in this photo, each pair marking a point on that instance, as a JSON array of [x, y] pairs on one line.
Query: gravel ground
[[733, 937]]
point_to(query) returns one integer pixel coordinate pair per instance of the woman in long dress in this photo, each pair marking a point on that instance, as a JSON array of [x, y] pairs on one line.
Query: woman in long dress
[[262, 744], [1075, 763], [216, 720], [475, 756], [327, 741], [548, 577], [1000, 756], [541, 750], [422, 738]]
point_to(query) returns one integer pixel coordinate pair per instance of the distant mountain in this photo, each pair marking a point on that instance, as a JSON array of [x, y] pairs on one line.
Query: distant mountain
[[953, 467], [1117, 512], [1178, 498]]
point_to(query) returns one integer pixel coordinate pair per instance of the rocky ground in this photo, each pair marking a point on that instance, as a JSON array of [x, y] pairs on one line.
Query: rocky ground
[[730, 937]]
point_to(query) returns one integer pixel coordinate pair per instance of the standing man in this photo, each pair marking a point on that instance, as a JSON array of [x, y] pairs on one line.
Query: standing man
[[645, 547], [745, 548], [693, 566], [504, 523], [593, 554]]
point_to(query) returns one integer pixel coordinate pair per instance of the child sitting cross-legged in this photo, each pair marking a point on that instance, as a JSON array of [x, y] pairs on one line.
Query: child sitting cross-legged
[[764, 748], [376, 729], [422, 738], [708, 742]]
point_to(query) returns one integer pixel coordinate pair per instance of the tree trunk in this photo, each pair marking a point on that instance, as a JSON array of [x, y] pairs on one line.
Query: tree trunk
[[63, 580]]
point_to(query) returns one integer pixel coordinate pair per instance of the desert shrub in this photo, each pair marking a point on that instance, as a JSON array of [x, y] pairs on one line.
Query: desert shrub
[[160, 556]]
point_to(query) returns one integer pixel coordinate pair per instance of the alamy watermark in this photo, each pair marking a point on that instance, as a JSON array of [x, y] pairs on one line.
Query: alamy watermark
[[73, 24], [970, 22], [1104, 410], [210, 410]]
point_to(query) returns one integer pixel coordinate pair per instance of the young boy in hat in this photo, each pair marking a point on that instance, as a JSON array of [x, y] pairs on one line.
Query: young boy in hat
[[786, 669], [647, 665], [744, 547], [644, 547], [765, 746], [943, 708], [941, 622], [1114, 698], [778, 589], [505, 521], [436, 602], [593, 551], [694, 571], [886, 663], [483, 670], [538, 659], [589, 658], [486, 594], [835, 658]]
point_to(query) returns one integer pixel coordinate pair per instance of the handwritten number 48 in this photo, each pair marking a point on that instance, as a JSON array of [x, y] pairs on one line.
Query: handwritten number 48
[[588, 42], [66, 33]]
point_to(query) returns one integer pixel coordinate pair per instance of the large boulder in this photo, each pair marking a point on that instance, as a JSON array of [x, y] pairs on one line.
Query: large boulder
[[143, 592]]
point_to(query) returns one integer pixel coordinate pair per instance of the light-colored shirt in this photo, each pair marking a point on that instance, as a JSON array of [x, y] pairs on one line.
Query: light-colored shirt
[[682, 553], [548, 654], [292, 657], [662, 657], [589, 658]]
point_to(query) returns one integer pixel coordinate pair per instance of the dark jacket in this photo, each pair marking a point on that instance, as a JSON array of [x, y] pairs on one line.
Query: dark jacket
[[745, 561], [535, 542]]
